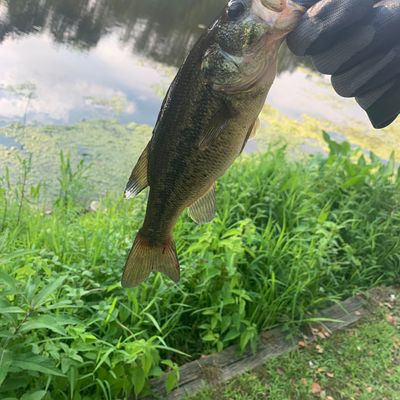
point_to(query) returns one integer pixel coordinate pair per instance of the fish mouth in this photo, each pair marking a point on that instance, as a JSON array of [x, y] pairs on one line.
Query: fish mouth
[[268, 10], [281, 15], [274, 5]]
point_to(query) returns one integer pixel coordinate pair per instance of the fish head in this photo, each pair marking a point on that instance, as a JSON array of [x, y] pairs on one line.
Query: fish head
[[245, 42], [246, 23]]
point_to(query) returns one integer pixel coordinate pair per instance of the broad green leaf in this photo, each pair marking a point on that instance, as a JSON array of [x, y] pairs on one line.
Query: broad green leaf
[[172, 380], [210, 311], [326, 137], [356, 180], [9, 281], [11, 310], [391, 165], [34, 396], [14, 382], [147, 362], [168, 363], [73, 379], [139, 379], [66, 364], [156, 372], [104, 359], [45, 322], [5, 363], [210, 337], [232, 334], [16, 254], [42, 296], [33, 366]]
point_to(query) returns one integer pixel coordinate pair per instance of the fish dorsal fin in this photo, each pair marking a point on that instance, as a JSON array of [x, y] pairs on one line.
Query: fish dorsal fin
[[138, 180], [251, 132], [203, 210], [214, 128]]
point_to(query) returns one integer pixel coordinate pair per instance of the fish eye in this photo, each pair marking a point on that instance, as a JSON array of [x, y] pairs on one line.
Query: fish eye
[[235, 10]]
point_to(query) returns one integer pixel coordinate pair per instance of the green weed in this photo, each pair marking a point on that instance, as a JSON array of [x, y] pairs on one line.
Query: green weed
[[289, 239]]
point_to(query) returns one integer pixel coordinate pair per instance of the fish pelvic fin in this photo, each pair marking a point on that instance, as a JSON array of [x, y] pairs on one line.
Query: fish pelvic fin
[[203, 210], [251, 133], [254, 128], [145, 258], [138, 179]]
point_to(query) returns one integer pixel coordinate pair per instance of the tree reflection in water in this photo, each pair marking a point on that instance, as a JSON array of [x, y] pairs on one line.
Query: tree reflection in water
[[161, 30]]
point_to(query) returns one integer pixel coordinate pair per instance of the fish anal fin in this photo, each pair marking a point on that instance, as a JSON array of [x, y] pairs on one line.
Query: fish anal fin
[[203, 210], [138, 179], [214, 128], [145, 258]]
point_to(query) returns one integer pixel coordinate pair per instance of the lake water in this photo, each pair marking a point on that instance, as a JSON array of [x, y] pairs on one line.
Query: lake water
[[64, 61]]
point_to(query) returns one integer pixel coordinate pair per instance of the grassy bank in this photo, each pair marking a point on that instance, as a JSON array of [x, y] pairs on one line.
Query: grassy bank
[[304, 135], [362, 363], [289, 239]]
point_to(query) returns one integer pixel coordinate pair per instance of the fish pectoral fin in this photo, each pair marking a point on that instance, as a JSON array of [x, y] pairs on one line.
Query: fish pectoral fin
[[203, 209], [251, 133], [215, 127], [138, 179]]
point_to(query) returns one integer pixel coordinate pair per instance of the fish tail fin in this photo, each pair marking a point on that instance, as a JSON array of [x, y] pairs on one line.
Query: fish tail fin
[[145, 258]]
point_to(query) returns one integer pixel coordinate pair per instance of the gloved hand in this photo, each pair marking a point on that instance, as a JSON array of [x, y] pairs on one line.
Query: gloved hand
[[358, 43]]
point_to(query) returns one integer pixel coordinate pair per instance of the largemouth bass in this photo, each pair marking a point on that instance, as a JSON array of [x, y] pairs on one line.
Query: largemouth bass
[[210, 111]]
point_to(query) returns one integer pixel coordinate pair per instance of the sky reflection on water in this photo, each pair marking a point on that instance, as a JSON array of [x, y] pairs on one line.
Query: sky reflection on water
[[114, 58]]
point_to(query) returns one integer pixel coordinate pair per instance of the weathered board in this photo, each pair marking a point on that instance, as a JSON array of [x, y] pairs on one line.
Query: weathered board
[[220, 367]]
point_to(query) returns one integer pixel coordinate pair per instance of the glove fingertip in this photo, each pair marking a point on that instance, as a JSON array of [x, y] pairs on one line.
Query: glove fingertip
[[378, 123], [386, 108]]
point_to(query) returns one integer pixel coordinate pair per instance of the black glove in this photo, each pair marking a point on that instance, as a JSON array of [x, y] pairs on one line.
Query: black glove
[[358, 43]]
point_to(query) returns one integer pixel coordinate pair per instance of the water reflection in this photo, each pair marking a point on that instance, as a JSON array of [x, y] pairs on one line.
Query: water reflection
[[89, 58], [70, 85], [10, 142], [159, 29]]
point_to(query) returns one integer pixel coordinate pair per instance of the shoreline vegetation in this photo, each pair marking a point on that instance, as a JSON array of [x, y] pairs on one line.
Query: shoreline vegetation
[[290, 237], [361, 362], [110, 148]]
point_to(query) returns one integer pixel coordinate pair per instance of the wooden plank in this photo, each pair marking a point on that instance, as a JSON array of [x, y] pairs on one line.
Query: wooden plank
[[220, 367]]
